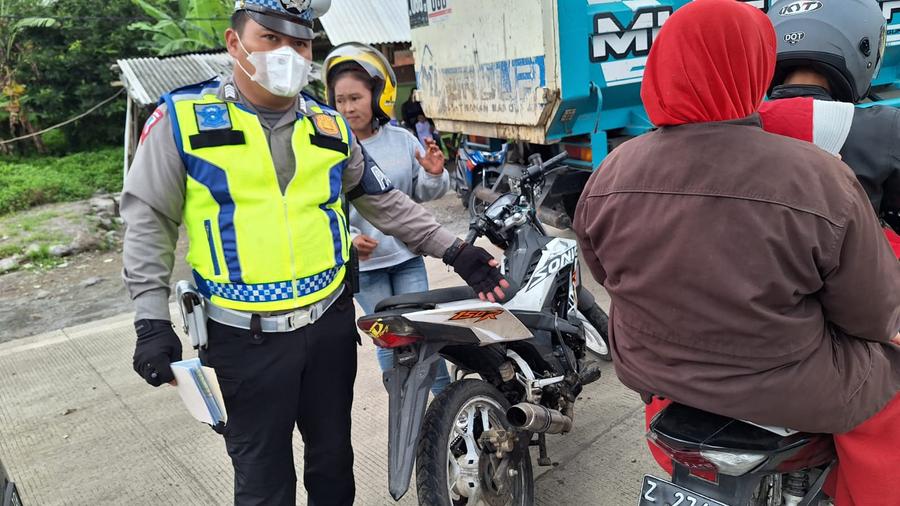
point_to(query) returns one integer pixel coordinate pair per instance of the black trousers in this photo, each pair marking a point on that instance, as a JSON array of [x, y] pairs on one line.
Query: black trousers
[[303, 378]]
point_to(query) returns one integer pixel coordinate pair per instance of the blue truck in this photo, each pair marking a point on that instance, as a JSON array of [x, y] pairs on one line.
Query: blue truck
[[518, 77]]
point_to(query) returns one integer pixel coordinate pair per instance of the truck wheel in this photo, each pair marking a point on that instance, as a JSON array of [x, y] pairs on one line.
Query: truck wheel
[[453, 467]]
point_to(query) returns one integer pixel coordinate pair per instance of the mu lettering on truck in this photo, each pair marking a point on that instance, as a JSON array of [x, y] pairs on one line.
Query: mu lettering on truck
[[621, 49], [891, 8]]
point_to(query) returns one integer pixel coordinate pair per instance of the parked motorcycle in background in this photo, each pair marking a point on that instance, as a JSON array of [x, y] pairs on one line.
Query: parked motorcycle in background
[[524, 362], [477, 166]]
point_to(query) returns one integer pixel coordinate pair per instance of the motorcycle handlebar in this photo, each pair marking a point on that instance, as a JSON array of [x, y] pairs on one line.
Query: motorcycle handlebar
[[472, 235], [538, 167]]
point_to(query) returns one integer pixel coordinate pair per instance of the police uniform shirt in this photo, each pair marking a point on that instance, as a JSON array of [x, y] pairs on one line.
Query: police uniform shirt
[[154, 194]]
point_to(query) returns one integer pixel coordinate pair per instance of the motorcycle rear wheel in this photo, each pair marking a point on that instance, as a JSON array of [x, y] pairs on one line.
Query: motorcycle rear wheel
[[452, 466]]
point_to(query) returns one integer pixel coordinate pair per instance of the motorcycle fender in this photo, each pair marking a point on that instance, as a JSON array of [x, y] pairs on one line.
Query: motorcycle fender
[[585, 299], [408, 386]]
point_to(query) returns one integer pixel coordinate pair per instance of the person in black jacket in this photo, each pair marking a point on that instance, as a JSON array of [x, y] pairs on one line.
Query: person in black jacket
[[832, 54], [410, 111]]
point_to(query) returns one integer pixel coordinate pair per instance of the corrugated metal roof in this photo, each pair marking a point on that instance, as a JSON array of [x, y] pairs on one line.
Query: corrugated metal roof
[[147, 79], [369, 21]]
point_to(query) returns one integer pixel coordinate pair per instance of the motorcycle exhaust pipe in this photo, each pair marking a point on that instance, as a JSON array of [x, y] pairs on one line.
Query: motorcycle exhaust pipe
[[537, 418]]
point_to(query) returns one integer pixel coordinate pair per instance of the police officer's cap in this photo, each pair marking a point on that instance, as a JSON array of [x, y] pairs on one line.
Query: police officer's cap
[[290, 17]]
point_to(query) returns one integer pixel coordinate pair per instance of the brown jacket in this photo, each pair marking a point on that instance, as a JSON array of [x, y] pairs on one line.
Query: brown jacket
[[739, 263]]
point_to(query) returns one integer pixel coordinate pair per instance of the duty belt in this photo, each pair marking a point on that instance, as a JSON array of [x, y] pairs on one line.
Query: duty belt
[[285, 322]]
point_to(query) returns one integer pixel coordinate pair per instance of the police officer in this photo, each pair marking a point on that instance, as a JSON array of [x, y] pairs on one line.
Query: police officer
[[832, 53], [255, 171]]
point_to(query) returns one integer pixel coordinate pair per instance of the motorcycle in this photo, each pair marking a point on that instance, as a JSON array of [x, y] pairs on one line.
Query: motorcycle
[[719, 461], [532, 355]]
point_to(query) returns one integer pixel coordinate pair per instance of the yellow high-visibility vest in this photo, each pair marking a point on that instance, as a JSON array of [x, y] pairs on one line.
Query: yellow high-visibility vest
[[253, 248]]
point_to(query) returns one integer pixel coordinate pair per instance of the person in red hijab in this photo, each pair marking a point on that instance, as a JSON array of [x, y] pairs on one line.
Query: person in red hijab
[[745, 269]]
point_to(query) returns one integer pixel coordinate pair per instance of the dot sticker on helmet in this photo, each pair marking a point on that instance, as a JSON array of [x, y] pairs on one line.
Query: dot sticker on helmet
[[794, 37]]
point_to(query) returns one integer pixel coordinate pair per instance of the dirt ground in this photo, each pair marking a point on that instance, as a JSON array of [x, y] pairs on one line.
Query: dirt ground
[[89, 287]]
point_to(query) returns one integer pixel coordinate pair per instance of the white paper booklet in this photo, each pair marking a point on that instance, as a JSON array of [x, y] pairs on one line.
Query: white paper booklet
[[199, 390]]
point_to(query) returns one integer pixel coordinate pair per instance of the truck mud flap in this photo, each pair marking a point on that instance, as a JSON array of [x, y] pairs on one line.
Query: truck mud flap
[[408, 386]]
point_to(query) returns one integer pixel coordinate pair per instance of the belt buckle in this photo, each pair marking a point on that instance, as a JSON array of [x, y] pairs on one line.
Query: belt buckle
[[314, 313], [295, 320]]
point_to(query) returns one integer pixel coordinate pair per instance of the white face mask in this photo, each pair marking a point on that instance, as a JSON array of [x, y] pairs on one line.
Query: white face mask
[[281, 71]]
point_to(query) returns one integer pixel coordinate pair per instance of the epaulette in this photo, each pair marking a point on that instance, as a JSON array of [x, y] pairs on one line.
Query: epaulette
[[195, 88]]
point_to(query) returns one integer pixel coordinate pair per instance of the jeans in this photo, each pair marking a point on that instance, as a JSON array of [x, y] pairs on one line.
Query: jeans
[[408, 277]]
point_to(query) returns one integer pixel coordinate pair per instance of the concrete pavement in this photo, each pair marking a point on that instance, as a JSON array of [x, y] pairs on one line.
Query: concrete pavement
[[77, 426]]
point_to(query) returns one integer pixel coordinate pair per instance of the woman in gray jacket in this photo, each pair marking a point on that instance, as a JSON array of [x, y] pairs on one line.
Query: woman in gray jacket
[[362, 87]]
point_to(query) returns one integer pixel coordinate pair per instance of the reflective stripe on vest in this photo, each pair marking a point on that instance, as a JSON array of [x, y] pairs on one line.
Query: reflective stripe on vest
[[253, 248]]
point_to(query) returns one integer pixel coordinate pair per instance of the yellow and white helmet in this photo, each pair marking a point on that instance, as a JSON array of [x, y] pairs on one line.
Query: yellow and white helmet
[[375, 65]]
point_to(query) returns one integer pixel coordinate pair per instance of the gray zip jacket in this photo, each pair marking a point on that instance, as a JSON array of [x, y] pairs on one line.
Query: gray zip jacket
[[394, 150], [154, 192]]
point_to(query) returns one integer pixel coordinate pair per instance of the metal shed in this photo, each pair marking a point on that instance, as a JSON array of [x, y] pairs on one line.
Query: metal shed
[[147, 79], [369, 21]]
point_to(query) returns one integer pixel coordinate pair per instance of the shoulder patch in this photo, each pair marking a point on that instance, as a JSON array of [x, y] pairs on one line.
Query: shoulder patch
[[230, 92], [326, 125], [303, 106], [152, 121], [374, 180], [212, 117]]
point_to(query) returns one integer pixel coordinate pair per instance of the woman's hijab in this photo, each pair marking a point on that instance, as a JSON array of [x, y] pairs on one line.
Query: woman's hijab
[[712, 61]]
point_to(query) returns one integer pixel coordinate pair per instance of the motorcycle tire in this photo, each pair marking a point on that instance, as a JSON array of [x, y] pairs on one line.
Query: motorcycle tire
[[440, 434], [596, 326]]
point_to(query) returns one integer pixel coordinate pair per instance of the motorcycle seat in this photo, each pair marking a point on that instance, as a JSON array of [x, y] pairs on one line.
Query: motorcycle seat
[[429, 298], [694, 427]]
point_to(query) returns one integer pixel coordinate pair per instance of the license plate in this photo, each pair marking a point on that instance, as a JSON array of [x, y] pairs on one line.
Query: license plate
[[657, 492]]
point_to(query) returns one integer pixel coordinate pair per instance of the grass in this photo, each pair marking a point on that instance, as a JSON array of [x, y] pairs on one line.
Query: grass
[[29, 182], [44, 228], [19, 231]]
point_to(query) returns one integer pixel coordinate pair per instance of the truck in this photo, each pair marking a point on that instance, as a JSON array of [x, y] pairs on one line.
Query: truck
[[524, 77]]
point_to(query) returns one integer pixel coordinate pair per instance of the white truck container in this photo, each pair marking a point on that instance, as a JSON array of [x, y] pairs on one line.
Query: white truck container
[[548, 74], [488, 67], [552, 75]]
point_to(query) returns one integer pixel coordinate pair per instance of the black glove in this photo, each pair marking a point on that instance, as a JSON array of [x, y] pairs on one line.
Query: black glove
[[157, 347], [473, 265]]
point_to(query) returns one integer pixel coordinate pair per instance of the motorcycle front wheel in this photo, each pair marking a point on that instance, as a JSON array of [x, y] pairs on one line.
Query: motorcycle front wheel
[[596, 331], [454, 466]]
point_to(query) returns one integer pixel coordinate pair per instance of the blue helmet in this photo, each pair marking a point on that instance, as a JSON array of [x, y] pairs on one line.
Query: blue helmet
[[290, 17]]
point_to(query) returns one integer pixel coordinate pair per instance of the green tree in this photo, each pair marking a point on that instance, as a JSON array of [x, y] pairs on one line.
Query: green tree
[[183, 25], [67, 69], [14, 21]]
